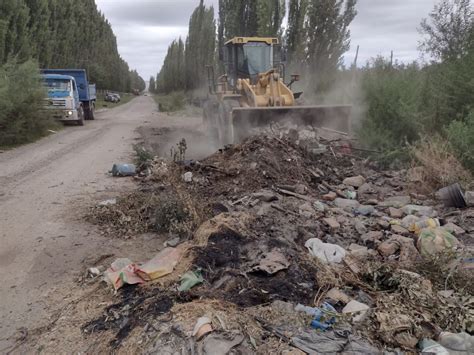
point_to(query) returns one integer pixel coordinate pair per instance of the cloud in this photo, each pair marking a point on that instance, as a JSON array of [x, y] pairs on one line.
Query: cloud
[[383, 26], [145, 28]]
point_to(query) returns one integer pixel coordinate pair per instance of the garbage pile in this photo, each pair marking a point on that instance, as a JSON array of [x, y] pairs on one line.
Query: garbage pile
[[298, 246]]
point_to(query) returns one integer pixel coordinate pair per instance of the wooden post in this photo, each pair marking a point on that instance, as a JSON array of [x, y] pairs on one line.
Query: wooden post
[[356, 57]]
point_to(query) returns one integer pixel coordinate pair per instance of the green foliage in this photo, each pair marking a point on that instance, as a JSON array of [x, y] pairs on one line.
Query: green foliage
[[136, 81], [184, 67], [449, 30], [200, 48], [270, 17], [237, 18], [172, 102], [65, 34], [295, 34], [406, 102], [143, 157], [449, 91], [327, 39], [460, 134], [316, 39], [246, 18], [152, 84], [172, 74], [392, 100], [21, 99], [169, 214]]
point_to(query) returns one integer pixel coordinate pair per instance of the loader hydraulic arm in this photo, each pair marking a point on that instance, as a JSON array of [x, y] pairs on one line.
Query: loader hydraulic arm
[[269, 91]]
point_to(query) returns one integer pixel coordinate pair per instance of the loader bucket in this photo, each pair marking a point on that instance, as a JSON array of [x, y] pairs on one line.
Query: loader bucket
[[246, 119]]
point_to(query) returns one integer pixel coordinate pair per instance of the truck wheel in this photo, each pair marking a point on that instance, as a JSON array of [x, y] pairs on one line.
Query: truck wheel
[[91, 111], [80, 117]]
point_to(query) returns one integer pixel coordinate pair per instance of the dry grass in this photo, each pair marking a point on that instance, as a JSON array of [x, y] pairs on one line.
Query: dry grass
[[440, 166]]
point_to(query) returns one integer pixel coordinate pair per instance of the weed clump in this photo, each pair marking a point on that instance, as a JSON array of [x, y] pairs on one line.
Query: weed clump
[[440, 166], [172, 102], [172, 216]]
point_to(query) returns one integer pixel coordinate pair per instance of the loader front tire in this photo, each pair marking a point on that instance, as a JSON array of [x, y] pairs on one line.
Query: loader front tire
[[210, 119], [225, 129]]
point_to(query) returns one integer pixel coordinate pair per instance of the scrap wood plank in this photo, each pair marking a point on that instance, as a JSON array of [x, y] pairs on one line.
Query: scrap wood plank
[[293, 194]]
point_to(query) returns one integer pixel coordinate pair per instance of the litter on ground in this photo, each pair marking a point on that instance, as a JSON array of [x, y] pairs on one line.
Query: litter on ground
[[281, 249]]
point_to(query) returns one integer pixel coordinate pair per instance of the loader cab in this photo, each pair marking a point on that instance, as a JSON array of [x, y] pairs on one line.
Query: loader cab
[[246, 57]]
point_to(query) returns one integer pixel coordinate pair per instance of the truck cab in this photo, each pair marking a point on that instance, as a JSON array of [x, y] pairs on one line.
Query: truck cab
[[63, 98], [70, 95]]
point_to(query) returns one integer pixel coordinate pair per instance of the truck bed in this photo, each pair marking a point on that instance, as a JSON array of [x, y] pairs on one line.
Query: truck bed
[[80, 75]]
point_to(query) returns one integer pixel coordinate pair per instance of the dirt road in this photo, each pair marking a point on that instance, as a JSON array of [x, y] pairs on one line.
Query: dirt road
[[44, 187]]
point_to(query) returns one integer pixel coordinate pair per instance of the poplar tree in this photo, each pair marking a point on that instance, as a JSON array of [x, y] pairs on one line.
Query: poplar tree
[[200, 46], [64, 34], [295, 33], [151, 85], [328, 38], [270, 15]]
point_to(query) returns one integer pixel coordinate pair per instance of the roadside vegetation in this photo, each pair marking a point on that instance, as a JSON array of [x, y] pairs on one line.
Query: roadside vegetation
[[414, 108], [22, 118], [172, 102]]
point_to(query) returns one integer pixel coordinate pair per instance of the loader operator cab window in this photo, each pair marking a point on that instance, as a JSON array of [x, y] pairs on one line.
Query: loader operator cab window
[[253, 58]]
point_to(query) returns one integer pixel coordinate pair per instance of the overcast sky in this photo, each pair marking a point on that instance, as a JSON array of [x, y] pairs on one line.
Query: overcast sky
[[144, 28]]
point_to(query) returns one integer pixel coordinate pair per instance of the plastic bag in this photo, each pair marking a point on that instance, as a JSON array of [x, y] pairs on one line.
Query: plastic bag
[[121, 272], [432, 241], [162, 264], [123, 170], [326, 252], [190, 279]]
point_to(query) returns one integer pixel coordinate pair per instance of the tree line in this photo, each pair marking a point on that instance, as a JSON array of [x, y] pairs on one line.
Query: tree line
[[65, 34], [316, 37], [52, 34]]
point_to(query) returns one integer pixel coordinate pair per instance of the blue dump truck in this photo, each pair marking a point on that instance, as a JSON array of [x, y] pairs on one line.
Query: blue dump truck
[[70, 96]]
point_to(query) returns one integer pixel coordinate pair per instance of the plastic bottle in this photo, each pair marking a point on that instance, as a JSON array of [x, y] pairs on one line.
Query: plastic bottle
[[311, 311]]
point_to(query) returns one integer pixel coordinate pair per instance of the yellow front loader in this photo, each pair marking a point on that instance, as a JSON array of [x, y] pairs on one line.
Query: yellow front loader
[[252, 94]]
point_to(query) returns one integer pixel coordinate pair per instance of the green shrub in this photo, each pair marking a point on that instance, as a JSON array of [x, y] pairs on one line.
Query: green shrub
[[172, 102], [461, 137], [448, 92], [22, 118], [392, 100], [405, 102]]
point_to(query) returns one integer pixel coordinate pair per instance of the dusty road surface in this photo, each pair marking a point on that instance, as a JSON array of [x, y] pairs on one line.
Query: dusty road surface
[[44, 187]]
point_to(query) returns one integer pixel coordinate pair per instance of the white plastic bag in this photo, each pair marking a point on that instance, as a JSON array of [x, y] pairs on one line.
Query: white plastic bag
[[327, 253]]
